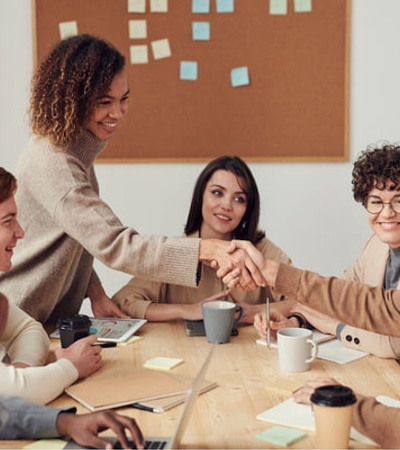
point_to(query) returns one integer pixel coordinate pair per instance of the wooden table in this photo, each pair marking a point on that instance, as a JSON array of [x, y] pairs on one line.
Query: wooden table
[[225, 417]]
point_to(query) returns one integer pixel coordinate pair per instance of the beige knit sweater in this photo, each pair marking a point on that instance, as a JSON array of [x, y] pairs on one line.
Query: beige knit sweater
[[67, 224]]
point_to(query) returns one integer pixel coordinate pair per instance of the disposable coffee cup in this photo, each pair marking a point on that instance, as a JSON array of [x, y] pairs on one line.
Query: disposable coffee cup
[[73, 328], [333, 408]]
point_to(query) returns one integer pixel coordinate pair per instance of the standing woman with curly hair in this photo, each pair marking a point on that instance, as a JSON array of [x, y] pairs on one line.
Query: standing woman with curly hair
[[79, 98]]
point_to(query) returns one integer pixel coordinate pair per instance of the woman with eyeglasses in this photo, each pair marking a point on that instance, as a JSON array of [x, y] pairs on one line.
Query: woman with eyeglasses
[[376, 185]]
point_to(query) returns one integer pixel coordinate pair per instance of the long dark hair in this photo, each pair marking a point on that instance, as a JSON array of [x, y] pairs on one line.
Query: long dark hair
[[248, 227]]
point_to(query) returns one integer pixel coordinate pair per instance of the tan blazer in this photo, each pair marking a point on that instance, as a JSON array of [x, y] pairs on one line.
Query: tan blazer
[[370, 268]]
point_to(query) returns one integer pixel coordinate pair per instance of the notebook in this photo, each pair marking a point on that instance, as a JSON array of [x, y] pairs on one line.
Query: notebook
[[114, 389], [337, 352], [317, 337], [175, 440]]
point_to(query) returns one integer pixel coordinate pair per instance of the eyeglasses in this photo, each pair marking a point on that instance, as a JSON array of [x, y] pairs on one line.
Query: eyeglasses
[[375, 205]]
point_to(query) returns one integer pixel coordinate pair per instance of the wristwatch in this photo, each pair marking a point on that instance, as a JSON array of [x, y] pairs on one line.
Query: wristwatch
[[302, 320]]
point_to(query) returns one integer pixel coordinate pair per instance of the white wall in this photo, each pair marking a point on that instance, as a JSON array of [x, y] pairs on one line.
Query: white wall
[[307, 208]]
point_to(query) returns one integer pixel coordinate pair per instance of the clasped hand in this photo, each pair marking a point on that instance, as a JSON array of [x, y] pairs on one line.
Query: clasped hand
[[238, 263], [242, 267]]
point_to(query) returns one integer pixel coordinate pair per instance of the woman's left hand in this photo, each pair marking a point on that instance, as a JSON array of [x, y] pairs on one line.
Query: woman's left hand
[[104, 307]]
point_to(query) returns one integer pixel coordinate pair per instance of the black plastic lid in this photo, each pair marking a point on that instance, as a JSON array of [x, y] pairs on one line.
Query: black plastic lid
[[333, 395], [74, 322]]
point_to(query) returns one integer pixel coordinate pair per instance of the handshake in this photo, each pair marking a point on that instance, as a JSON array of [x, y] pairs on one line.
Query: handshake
[[240, 265]]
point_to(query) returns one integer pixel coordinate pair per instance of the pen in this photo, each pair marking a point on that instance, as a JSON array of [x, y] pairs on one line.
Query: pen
[[145, 408], [105, 344], [268, 327]]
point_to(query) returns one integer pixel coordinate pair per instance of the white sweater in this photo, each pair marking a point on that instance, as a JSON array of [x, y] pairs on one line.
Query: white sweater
[[26, 342]]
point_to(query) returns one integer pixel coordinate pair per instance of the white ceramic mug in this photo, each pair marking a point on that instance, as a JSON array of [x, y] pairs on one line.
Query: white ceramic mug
[[296, 349]]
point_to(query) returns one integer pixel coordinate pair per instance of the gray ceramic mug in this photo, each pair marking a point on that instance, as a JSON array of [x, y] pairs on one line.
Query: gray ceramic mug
[[219, 320]]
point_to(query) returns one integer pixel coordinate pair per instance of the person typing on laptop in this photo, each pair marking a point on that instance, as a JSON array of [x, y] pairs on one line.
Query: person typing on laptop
[[21, 419]]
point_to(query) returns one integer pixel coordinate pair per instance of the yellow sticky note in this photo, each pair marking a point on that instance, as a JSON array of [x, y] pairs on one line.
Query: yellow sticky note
[[164, 363], [161, 49], [46, 444], [159, 6], [302, 6], [137, 29], [131, 340], [278, 7], [68, 29], [136, 6], [139, 54]]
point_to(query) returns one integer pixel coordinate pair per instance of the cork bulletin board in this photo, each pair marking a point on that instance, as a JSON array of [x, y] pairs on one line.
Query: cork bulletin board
[[263, 79]]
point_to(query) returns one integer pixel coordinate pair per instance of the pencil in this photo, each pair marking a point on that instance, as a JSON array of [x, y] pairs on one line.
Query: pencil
[[268, 327]]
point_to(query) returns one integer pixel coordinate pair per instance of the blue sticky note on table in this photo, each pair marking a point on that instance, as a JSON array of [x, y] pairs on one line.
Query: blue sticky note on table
[[201, 31], [188, 70], [225, 6], [200, 6], [240, 76], [282, 436], [278, 7]]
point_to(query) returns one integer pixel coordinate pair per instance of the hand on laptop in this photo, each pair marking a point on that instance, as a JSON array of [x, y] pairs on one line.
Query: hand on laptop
[[85, 428]]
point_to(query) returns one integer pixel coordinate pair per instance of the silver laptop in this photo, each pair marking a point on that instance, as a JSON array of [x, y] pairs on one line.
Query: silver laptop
[[174, 441]]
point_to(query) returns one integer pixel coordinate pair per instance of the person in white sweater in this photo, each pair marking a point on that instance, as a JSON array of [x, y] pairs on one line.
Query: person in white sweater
[[24, 344]]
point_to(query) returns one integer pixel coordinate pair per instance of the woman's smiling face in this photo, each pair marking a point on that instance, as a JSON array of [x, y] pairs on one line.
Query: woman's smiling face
[[10, 232], [386, 224], [224, 205]]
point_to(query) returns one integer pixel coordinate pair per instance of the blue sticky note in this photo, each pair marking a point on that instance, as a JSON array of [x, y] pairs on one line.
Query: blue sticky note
[[200, 6], [240, 76], [225, 6], [188, 70], [278, 7], [201, 31], [282, 436], [302, 5]]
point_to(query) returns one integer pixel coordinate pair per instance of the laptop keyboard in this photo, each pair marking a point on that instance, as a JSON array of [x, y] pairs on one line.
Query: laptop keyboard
[[154, 445]]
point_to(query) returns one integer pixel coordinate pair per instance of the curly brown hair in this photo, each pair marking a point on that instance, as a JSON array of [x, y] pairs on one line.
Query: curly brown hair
[[65, 87], [376, 168], [8, 184]]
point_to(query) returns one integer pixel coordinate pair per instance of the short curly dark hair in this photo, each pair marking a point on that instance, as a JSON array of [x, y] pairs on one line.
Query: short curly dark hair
[[376, 168], [77, 72]]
